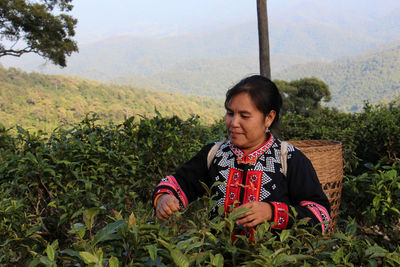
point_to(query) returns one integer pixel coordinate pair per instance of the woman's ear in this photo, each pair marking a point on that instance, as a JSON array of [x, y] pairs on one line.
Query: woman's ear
[[270, 118]]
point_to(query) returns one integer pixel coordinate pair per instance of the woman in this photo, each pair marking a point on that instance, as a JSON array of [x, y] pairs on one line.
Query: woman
[[249, 165]]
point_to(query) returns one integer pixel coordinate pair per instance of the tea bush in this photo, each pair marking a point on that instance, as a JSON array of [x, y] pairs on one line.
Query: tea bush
[[373, 199], [80, 196], [47, 182], [371, 136]]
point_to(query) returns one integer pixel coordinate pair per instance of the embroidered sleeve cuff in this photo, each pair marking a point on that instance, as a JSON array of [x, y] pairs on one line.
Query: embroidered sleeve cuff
[[319, 211], [280, 215], [170, 186]]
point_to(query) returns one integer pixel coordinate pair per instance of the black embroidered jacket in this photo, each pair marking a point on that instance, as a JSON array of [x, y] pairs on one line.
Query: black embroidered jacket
[[256, 176]]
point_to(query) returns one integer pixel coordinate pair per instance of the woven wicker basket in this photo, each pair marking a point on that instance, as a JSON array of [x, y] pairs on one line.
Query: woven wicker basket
[[326, 157]]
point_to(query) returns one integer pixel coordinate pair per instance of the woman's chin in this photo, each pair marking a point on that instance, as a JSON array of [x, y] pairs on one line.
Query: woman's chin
[[236, 142]]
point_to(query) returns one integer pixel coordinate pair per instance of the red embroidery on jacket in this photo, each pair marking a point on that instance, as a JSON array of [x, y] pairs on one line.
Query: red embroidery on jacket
[[253, 186], [235, 180], [235, 186], [281, 215], [252, 157]]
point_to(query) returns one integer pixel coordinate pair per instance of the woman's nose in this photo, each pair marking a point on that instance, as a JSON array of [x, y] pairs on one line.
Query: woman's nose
[[235, 121]]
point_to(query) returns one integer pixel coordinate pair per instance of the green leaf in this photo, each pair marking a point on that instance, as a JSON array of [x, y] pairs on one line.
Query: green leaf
[[34, 262], [169, 150], [113, 262], [351, 228], [88, 257], [284, 259], [375, 252], [376, 201], [237, 212], [218, 260], [88, 216], [373, 263], [70, 252], [302, 257], [32, 230], [46, 261], [337, 255], [107, 231], [179, 259], [152, 252], [50, 252], [52, 204], [51, 171], [204, 185], [339, 236], [284, 235], [79, 229]]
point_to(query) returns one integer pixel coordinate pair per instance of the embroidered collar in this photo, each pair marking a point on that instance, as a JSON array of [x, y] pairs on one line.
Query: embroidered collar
[[252, 157]]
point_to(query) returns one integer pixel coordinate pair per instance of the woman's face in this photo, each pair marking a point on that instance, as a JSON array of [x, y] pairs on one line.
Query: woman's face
[[246, 124]]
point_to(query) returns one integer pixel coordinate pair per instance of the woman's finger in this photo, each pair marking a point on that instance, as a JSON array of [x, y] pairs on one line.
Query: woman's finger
[[173, 204], [161, 215], [245, 219], [251, 224], [244, 215]]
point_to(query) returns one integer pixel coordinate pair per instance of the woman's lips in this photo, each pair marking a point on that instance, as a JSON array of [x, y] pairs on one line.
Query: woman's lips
[[233, 134]]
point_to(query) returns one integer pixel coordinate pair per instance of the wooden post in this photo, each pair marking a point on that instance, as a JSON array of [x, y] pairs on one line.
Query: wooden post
[[263, 38]]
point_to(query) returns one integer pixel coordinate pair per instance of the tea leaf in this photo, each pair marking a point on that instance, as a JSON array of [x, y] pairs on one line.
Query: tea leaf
[[132, 220], [237, 212], [106, 233], [218, 260], [179, 259], [50, 252], [88, 216], [113, 262], [375, 252], [284, 235], [152, 252], [88, 257]]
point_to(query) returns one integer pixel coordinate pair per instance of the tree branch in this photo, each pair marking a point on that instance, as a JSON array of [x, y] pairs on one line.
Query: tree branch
[[15, 53]]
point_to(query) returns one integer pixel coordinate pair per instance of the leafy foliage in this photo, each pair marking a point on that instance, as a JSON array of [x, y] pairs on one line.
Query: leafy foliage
[[367, 137], [43, 26], [303, 96], [375, 198], [81, 196]]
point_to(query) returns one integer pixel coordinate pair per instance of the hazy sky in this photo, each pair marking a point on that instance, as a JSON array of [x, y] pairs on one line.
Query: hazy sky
[[98, 19]]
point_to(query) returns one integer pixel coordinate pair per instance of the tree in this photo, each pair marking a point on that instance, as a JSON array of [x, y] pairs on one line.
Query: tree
[[263, 38], [303, 96], [42, 27]]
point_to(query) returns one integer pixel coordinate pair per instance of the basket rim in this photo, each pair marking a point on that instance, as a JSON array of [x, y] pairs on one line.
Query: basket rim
[[316, 142]]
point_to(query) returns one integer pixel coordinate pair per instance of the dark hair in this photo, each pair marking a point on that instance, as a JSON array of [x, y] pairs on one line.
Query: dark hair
[[263, 92]]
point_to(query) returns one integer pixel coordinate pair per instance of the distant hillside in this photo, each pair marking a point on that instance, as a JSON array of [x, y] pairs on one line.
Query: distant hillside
[[207, 63], [372, 76], [46, 101], [295, 38], [205, 77]]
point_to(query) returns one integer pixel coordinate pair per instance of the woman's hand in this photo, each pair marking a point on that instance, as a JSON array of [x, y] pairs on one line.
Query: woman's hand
[[260, 212], [166, 206]]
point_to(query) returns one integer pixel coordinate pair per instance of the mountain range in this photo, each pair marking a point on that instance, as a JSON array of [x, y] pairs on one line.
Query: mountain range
[[207, 64]]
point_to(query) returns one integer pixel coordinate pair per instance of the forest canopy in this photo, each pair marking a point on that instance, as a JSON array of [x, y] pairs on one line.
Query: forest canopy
[[41, 27]]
